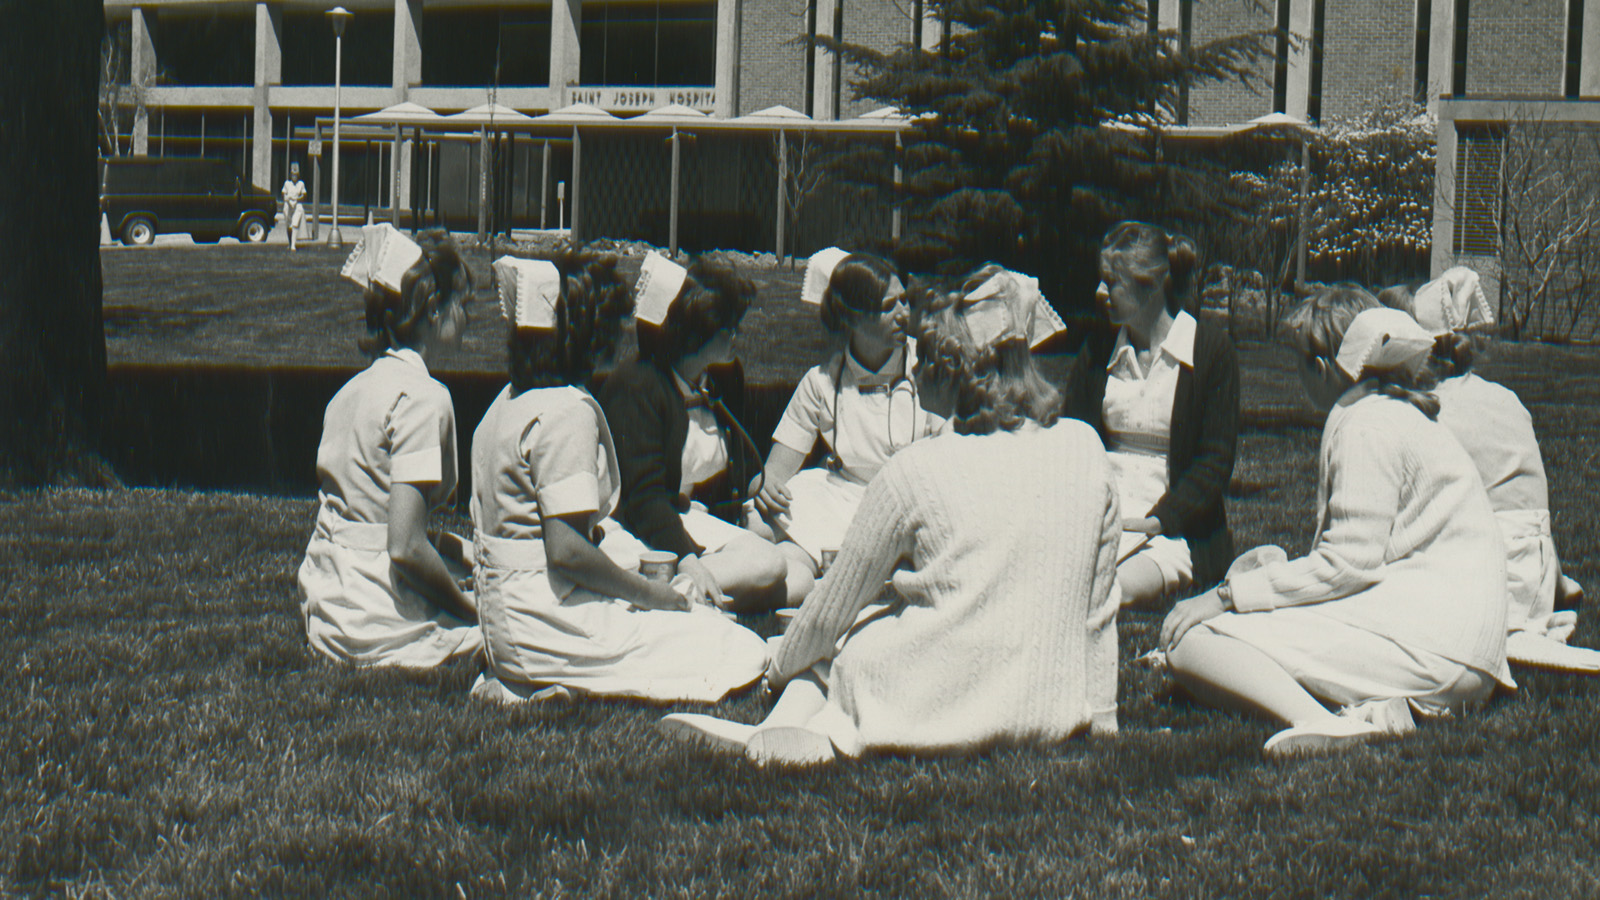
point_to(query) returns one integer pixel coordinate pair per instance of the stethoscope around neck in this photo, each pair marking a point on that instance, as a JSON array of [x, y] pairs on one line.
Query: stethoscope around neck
[[902, 384]]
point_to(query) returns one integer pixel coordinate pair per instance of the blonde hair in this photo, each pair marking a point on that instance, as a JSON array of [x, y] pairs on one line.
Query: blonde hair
[[1316, 330], [997, 387]]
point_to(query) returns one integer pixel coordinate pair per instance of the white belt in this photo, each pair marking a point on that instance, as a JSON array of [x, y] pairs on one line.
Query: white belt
[[370, 537], [514, 554]]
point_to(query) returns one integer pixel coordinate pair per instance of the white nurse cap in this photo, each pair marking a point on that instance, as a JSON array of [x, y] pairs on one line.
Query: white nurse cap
[[528, 291], [1382, 339], [819, 271], [382, 256], [660, 280], [1009, 304], [1452, 302]]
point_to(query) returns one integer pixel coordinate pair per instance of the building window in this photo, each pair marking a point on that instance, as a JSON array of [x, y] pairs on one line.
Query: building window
[[1319, 9], [308, 48], [1280, 61], [1419, 65], [477, 48], [1458, 50], [1574, 73], [203, 47], [1153, 16], [649, 43], [1478, 159]]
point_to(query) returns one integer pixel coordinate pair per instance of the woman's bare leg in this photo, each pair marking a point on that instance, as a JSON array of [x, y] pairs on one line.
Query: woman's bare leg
[[1227, 672], [1141, 581], [751, 571], [783, 736], [802, 574], [802, 698]]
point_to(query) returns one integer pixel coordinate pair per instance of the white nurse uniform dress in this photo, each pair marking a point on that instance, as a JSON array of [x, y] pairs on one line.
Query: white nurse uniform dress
[[391, 424], [548, 451]]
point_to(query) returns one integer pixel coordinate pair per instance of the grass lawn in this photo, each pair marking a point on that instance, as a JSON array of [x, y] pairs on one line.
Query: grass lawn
[[260, 306], [171, 735]]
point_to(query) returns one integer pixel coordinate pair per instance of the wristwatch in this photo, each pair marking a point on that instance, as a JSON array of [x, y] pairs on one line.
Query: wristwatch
[[1225, 594]]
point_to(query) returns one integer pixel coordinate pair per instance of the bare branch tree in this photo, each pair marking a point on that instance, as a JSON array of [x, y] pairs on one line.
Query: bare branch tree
[[1549, 210], [806, 167], [113, 90]]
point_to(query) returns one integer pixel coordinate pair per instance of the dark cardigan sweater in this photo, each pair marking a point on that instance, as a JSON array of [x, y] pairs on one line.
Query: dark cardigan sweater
[[649, 424], [1205, 435]]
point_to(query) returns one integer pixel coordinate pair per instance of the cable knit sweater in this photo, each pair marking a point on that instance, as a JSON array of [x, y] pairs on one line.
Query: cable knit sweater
[[1406, 544], [1002, 549]]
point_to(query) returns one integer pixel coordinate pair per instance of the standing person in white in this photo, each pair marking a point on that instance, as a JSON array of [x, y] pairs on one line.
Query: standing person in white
[[1000, 536], [563, 606], [374, 590], [1401, 603], [294, 211], [862, 404], [1497, 432]]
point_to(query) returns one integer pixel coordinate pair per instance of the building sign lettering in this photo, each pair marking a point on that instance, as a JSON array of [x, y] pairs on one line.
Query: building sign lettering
[[643, 99]]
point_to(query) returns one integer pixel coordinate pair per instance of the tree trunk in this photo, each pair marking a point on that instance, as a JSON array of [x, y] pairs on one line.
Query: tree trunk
[[51, 337]]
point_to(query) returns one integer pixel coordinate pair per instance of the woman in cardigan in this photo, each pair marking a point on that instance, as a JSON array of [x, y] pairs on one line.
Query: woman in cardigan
[[1401, 603], [683, 453], [1163, 391], [999, 537], [563, 607]]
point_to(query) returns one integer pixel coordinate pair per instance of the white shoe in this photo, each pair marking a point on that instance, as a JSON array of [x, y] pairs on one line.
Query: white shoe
[[719, 733], [1391, 715], [1335, 733], [491, 689], [789, 746]]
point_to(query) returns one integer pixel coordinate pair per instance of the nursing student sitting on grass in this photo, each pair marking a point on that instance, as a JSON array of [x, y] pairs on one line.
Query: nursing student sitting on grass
[[1400, 605], [1497, 432], [1162, 388], [374, 590], [861, 404], [563, 605], [684, 457], [999, 537]]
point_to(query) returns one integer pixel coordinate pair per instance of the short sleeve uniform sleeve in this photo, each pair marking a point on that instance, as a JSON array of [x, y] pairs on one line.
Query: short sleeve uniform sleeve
[[560, 449], [416, 431], [809, 413]]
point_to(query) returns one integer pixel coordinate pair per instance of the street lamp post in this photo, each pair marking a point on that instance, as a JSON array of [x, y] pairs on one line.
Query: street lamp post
[[339, 16]]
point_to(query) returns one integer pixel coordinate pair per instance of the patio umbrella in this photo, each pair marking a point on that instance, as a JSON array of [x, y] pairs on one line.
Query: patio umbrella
[[398, 115], [575, 115], [486, 116]]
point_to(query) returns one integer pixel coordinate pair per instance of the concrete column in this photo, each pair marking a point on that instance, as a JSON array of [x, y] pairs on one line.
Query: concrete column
[[1589, 66], [407, 45], [269, 72], [142, 59], [729, 25], [1296, 101], [1444, 195], [1441, 50], [566, 18], [407, 75], [822, 94], [1167, 18]]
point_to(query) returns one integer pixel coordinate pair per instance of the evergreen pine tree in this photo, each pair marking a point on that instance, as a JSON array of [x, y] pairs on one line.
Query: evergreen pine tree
[[1009, 160]]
